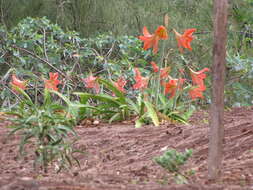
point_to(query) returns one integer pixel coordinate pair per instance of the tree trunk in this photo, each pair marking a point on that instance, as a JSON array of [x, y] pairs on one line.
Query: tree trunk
[[216, 132]]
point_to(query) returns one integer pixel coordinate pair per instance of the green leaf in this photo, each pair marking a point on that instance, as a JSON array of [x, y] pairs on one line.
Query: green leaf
[[64, 98], [47, 97], [187, 114], [176, 117], [139, 122], [133, 106], [27, 100], [163, 99], [140, 104], [66, 128], [73, 107], [23, 142], [84, 101], [114, 117], [15, 129], [101, 97], [114, 89], [152, 113]]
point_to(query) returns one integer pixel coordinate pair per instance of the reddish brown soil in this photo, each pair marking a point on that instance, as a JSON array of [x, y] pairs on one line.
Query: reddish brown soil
[[120, 157]]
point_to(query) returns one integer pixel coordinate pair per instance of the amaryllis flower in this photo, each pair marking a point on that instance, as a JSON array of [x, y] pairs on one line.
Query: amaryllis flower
[[17, 83], [121, 82], [164, 73], [198, 78], [53, 81], [91, 82], [173, 86], [198, 82], [196, 92], [141, 82], [184, 40], [151, 40], [155, 67]]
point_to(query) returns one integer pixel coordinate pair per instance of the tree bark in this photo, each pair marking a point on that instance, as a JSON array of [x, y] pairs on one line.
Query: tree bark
[[216, 133]]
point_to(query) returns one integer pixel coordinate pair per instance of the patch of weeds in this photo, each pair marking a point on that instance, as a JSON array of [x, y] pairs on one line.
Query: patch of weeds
[[163, 181], [47, 127], [172, 160]]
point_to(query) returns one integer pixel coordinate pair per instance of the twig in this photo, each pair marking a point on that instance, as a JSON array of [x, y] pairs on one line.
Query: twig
[[5, 86], [38, 57], [44, 44], [108, 54]]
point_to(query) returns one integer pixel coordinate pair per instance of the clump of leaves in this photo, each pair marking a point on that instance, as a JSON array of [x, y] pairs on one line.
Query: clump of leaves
[[239, 90], [171, 160], [46, 127]]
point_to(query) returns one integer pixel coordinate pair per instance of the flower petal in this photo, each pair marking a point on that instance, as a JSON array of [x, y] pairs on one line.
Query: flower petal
[[145, 31], [155, 67]]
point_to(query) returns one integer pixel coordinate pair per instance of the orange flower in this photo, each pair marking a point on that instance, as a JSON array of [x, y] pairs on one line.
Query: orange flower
[[155, 67], [151, 40], [17, 83], [141, 82], [173, 86], [185, 39], [164, 73], [53, 81], [198, 81], [121, 82], [198, 78], [196, 92], [90, 82]]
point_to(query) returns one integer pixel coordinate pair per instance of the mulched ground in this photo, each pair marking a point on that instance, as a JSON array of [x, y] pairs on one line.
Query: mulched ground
[[120, 157]]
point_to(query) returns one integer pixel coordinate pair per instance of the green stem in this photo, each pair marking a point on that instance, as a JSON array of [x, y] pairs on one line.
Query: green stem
[[158, 85], [36, 93]]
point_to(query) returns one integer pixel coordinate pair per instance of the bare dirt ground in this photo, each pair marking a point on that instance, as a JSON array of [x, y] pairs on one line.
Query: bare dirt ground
[[120, 157]]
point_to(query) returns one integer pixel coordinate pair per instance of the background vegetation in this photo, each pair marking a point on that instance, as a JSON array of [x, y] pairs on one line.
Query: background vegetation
[[98, 20]]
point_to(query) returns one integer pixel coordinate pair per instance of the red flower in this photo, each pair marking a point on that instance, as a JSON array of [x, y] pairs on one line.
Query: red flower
[[185, 39], [164, 73], [155, 67], [198, 78], [198, 81], [17, 83], [196, 93], [173, 86], [53, 81], [91, 82], [141, 82], [181, 71], [121, 82], [151, 40]]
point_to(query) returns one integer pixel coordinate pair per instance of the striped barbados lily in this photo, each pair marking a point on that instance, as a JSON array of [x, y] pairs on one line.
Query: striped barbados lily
[[173, 86], [154, 66], [53, 81], [121, 82], [17, 83], [198, 82], [184, 40], [151, 40], [91, 82], [141, 82]]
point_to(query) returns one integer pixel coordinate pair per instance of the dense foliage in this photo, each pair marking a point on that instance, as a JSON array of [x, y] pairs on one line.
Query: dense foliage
[[114, 76]]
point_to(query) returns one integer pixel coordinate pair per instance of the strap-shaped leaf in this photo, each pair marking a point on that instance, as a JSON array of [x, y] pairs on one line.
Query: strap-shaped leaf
[[71, 104], [133, 106], [114, 89], [27, 99], [114, 117], [152, 113], [102, 97]]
